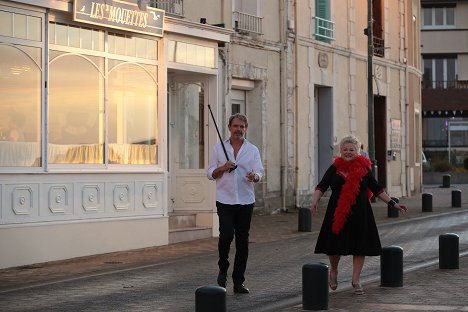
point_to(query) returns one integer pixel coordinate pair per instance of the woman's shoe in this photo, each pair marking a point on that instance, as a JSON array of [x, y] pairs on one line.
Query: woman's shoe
[[333, 283], [358, 290]]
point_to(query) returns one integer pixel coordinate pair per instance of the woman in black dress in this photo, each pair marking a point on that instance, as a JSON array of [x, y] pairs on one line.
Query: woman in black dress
[[349, 226]]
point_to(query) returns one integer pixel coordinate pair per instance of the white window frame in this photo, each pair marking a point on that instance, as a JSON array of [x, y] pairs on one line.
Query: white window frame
[[433, 14]]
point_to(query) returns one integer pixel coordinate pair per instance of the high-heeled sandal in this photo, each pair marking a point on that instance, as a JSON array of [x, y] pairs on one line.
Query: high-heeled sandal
[[358, 290], [333, 283]]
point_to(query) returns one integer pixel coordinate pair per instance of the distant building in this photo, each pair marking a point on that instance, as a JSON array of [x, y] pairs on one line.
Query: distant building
[[444, 33]]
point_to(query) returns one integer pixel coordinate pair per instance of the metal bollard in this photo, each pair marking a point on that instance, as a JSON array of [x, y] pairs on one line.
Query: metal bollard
[[392, 212], [305, 220], [427, 202], [315, 286], [446, 180], [448, 251], [391, 267], [456, 198], [210, 298]]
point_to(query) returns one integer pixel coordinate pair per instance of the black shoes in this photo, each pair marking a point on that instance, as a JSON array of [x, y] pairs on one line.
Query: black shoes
[[241, 289], [238, 288], [222, 279]]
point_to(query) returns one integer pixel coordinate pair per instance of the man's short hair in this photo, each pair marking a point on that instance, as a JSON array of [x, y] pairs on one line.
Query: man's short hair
[[239, 116]]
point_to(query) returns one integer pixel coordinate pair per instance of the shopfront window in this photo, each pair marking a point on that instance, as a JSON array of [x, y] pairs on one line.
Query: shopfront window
[[102, 107], [76, 109], [20, 90], [132, 113]]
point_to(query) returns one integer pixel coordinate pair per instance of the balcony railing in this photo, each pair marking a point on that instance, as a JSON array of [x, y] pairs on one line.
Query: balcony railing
[[379, 46], [171, 7], [244, 22], [324, 29], [445, 84]]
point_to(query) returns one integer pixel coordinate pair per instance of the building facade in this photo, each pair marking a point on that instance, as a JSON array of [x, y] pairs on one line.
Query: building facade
[[445, 82], [102, 103], [108, 128]]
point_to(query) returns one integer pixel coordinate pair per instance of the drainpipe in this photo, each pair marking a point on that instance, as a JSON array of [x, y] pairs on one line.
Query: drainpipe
[[407, 143], [283, 107]]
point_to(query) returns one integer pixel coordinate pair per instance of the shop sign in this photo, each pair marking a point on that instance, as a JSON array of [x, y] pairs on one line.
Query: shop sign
[[120, 14]]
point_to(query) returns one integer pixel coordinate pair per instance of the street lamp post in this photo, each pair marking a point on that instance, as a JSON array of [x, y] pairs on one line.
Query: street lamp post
[[370, 88]]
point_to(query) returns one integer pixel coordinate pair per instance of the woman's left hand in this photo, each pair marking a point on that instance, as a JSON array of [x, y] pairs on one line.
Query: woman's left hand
[[401, 207]]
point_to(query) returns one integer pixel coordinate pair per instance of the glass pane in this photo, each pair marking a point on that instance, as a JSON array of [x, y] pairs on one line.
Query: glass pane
[[171, 51], [61, 34], [427, 16], [98, 40], [190, 124], [191, 53], [152, 50], [119, 44], [86, 38], [74, 37], [439, 70], [132, 116], [19, 27], [451, 72], [52, 33], [6, 24], [439, 16], [76, 111], [131, 49], [111, 43], [140, 47], [20, 109], [450, 16], [181, 52], [210, 58], [34, 28]]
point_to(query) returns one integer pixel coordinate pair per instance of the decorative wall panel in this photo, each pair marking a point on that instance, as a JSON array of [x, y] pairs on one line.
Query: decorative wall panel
[[122, 197], [92, 200]]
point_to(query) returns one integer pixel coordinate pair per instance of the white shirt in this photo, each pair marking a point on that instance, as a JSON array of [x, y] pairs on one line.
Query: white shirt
[[233, 188]]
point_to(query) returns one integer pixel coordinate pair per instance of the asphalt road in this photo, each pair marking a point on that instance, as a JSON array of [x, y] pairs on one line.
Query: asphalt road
[[274, 274]]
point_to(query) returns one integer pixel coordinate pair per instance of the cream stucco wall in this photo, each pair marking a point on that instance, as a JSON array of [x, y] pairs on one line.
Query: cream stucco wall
[[37, 243]]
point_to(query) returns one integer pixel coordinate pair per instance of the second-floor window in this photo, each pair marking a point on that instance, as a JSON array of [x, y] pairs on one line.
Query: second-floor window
[[324, 27], [438, 16], [247, 16], [440, 72]]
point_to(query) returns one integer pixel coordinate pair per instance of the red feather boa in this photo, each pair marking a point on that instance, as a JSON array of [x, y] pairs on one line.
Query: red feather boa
[[355, 169]]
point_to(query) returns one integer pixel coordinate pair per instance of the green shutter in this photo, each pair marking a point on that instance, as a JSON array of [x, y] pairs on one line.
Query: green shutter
[[322, 9]]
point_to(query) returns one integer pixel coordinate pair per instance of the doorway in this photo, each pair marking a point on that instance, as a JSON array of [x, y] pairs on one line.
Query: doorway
[[188, 133], [380, 118], [323, 138]]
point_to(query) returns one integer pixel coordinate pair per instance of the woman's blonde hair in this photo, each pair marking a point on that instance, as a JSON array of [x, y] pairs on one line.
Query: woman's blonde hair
[[351, 139]]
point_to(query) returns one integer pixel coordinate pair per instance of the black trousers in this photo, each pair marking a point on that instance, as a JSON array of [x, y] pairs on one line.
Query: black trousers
[[234, 220]]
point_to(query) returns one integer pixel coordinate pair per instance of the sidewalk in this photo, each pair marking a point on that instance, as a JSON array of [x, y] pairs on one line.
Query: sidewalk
[[442, 289]]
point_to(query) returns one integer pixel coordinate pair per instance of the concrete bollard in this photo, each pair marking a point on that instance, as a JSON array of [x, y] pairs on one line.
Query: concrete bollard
[[456, 198], [392, 212], [305, 220], [426, 202], [210, 298], [315, 286], [448, 251], [391, 267], [446, 180]]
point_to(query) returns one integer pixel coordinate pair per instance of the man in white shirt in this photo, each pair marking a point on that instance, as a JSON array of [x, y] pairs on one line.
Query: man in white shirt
[[235, 197]]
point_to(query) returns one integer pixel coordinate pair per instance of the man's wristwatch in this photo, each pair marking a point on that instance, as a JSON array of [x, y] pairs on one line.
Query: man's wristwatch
[[256, 178]]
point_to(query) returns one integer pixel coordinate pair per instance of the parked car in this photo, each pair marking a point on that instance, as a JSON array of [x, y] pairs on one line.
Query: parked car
[[425, 163]]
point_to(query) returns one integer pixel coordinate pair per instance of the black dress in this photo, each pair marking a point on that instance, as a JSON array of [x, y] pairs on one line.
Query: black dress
[[359, 235]]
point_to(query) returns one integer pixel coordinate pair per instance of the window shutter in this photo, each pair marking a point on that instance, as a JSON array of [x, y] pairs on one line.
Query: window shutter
[[322, 9]]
